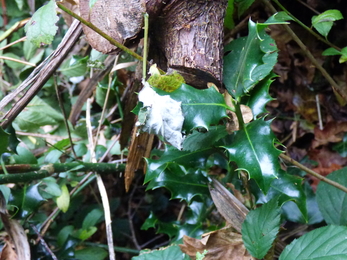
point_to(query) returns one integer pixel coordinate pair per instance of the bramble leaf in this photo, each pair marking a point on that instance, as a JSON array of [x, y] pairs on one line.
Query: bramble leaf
[[41, 28], [260, 228], [332, 202], [323, 243]]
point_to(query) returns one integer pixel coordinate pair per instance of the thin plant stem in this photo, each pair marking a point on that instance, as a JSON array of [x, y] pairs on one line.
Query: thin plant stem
[[339, 90], [306, 27], [313, 173], [61, 104]]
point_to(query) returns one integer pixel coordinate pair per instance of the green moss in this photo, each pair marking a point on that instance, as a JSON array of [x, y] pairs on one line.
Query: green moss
[[167, 83]]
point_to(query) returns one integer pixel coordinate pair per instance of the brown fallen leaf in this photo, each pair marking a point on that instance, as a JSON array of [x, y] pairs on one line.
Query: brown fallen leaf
[[332, 133], [8, 252], [223, 244], [15, 232]]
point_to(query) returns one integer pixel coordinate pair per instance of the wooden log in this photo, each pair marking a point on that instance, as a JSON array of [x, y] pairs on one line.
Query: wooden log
[[190, 35]]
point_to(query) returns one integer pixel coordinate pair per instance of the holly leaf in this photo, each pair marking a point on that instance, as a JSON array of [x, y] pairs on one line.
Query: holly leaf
[[322, 243], [172, 172], [254, 152], [260, 228], [203, 139], [249, 60], [41, 28], [161, 115], [259, 96], [201, 107]]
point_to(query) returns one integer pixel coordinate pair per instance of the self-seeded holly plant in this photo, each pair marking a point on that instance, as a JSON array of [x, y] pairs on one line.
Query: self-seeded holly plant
[[207, 136]]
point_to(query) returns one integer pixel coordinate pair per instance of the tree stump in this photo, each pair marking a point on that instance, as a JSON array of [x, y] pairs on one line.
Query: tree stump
[[188, 35]]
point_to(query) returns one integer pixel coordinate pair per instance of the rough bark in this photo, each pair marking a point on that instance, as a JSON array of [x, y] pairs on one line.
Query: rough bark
[[190, 35]]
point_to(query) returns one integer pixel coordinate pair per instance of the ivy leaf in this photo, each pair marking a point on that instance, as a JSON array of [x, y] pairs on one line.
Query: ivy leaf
[[260, 228], [254, 152], [201, 107], [322, 243], [161, 115], [250, 59], [259, 96], [332, 202], [41, 28], [323, 22]]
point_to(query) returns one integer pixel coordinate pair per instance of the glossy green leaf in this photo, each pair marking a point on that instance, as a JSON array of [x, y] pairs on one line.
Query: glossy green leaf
[[4, 141], [63, 201], [259, 96], [325, 243], [24, 156], [323, 22], [172, 252], [74, 67], [254, 152], [203, 139], [29, 50], [181, 183], [330, 52], [260, 228], [27, 199], [292, 213], [13, 64], [41, 28], [49, 185], [341, 147], [13, 140], [201, 107], [92, 218], [196, 159], [332, 202], [243, 5], [279, 18], [38, 113], [250, 59], [228, 20], [91, 253], [84, 234]]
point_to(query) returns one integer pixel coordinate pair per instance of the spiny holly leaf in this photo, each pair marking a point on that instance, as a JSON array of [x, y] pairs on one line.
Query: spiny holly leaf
[[332, 202], [259, 96], [203, 139], [250, 60], [196, 159], [41, 28], [253, 151], [182, 184], [323, 243], [201, 107], [4, 141], [289, 188], [260, 228], [292, 213]]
